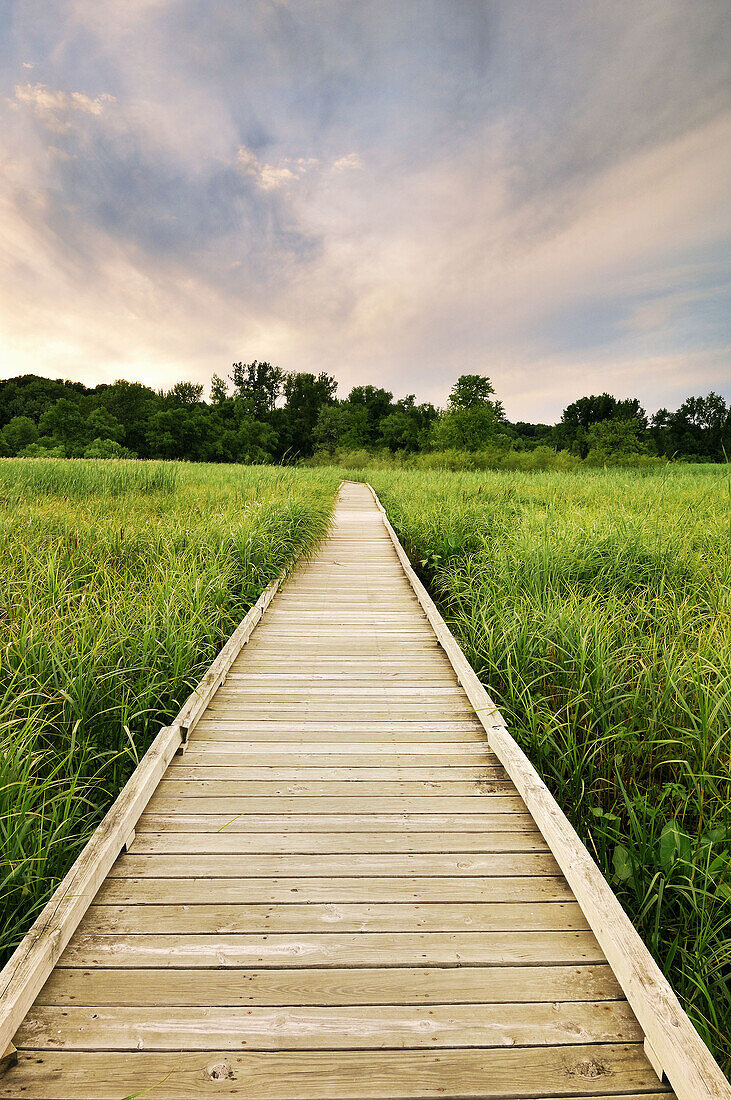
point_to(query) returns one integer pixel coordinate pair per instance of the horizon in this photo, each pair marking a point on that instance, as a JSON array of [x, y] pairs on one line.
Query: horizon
[[395, 195]]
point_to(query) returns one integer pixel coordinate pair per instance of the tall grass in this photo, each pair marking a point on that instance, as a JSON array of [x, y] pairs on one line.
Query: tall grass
[[119, 582], [596, 608], [34, 477]]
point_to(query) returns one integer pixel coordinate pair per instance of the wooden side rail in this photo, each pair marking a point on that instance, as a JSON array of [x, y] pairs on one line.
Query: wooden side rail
[[37, 954], [673, 1046]]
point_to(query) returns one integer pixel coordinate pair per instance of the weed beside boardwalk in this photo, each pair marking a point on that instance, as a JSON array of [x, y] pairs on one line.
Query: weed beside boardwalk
[[596, 608], [120, 581]]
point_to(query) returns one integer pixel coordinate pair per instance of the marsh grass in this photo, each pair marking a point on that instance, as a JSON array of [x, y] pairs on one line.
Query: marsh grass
[[596, 608], [120, 581]]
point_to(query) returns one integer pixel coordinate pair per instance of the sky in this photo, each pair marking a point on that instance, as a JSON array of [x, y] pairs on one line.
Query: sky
[[396, 192]]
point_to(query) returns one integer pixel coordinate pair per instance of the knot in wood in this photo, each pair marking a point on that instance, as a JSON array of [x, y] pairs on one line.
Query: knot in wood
[[220, 1071]]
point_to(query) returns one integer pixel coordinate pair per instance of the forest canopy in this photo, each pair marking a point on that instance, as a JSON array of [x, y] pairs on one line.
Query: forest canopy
[[262, 414]]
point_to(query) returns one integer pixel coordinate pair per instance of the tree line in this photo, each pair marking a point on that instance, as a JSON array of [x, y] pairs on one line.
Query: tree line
[[262, 414]]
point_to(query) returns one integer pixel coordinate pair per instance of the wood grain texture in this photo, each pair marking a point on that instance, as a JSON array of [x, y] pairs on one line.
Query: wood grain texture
[[331, 986], [354, 1027], [335, 844], [225, 917], [302, 949], [559, 1071], [408, 865], [189, 891]]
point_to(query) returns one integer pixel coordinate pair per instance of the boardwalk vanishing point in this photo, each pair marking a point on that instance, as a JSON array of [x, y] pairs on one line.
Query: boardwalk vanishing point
[[349, 885]]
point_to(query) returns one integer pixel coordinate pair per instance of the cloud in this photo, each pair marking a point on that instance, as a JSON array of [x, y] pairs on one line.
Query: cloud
[[269, 177], [54, 107], [344, 164], [393, 193]]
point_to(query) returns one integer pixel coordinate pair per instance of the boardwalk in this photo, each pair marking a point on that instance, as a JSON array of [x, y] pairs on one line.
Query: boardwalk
[[335, 892]]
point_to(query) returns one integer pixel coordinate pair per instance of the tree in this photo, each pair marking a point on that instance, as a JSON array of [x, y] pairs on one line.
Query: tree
[[256, 441], [44, 448], [305, 396], [341, 426], [106, 448], [700, 429], [100, 424], [471, 391], [258, 385], [219, 390], [18, 433], [472, 420], [29, 395], [376, 404], [174, 433], [614, 440], [132, 404], [407, 428], [184, 395], [579, 416], [64, 422]]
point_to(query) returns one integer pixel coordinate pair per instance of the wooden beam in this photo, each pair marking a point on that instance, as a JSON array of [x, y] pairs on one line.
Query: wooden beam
[[677, 1049]]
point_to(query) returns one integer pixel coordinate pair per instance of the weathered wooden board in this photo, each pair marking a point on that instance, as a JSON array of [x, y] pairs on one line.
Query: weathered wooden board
[[331, 788], [330, 865], [559, 1071], [302, 949], [224, 770], [312, 1028], [344, 822], [301, 804], [204, 917], [189, 891], [331, 986], [334, 844]]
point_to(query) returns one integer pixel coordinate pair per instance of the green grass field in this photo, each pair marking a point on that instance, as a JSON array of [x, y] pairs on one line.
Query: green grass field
[[596, 608], [120, 582], [595, 605]]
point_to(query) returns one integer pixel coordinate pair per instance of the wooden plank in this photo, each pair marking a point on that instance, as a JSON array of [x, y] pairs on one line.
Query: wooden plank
[[381, 917], [365, 713], [301, 949], [313, 1028], [214, 768], [560, 1071], [344, 822], [189, 891], [424, 765], [685, 1059], [329, 865], [370, 729], [334, 788], [358, 711], [357, 677], [332, 986], [391, 734], [344, 752], [296, 691], [492, 803], [192, 843]]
